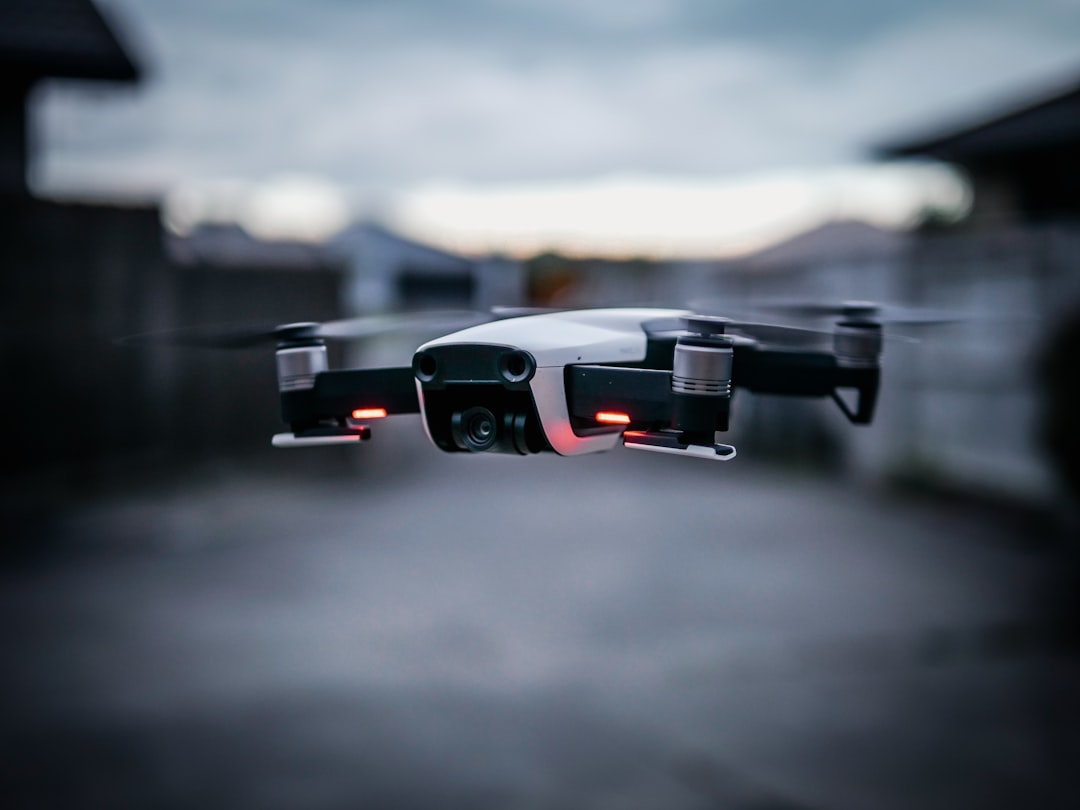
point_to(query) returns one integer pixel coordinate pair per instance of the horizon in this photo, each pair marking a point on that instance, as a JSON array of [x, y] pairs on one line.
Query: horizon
[[616, 218]]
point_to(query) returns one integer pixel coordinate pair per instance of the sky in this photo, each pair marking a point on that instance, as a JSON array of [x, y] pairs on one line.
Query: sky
[[707, 126]]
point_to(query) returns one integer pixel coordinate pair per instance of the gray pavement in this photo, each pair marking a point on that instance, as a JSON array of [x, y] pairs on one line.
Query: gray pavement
[[622, 631]]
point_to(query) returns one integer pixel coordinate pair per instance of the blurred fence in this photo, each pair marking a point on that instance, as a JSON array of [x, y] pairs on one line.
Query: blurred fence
[[78, 276], [977, 402]]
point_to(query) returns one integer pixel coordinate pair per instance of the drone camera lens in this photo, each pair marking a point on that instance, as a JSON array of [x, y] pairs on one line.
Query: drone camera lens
[[475, 430], [516, 367], [481, 428], [426, 367]]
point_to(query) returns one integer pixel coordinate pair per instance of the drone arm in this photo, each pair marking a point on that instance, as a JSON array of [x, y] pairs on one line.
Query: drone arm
[[808, 374], [644, 395], [336, 395]]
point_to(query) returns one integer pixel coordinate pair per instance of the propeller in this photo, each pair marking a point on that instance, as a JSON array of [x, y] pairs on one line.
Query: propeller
[[788, 336], [244, 336], [870, 311], [775, 334], [771, 333], [780, 334]]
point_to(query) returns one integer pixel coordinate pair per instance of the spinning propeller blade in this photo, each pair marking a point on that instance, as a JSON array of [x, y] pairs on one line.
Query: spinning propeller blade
[[375, 325], [245, 336], [776, 334], [870, 311], [780, 334]]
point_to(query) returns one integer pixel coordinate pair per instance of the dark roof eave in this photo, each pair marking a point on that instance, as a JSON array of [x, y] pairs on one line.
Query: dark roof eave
[[71, 67], [1047, 122], [71, 39]]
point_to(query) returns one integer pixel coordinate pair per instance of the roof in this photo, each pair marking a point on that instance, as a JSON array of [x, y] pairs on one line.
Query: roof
[[363, 237], [1044, 124], [831, 242], [62, 39]]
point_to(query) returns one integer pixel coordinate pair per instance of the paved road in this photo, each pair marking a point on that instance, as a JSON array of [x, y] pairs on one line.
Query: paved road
[[618, 631]]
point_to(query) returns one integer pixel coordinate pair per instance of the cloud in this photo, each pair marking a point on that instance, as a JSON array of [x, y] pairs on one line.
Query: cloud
[[385, 95]]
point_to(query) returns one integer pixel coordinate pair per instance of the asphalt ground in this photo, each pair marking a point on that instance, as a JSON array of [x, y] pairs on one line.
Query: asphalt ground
[[626, 630]]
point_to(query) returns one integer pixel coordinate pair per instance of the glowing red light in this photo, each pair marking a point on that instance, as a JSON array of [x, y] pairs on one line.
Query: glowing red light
[[369, 413], [613, 418]]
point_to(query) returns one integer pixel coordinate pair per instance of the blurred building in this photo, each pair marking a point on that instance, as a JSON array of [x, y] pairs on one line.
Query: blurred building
[[228, 245], [385, 271], [59, 39], [380, 271], [389, 271], [70, 270], [78, 274], [979, 406], [1023, 162]]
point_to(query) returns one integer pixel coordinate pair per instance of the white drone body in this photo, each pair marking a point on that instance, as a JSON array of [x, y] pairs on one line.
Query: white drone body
[[556, 340]]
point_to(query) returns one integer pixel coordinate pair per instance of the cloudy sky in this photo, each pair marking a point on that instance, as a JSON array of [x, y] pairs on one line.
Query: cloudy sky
[[439, 115]]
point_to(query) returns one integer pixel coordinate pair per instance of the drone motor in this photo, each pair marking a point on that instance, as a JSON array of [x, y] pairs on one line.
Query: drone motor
[[298, 363], [858, 343], [701, 380]]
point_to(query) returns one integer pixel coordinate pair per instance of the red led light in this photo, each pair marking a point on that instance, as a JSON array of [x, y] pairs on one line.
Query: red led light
[[613, 418], [369, 413]]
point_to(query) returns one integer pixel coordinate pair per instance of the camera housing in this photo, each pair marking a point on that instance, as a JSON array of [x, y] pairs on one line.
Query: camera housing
[[474, 430], [477, 399]]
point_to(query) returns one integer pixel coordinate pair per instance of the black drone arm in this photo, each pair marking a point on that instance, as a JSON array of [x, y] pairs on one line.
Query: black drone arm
[[354, 394], [644, 395], [808, 374]]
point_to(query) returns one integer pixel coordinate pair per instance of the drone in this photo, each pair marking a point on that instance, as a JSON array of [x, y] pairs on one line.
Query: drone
[[573, 382]]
